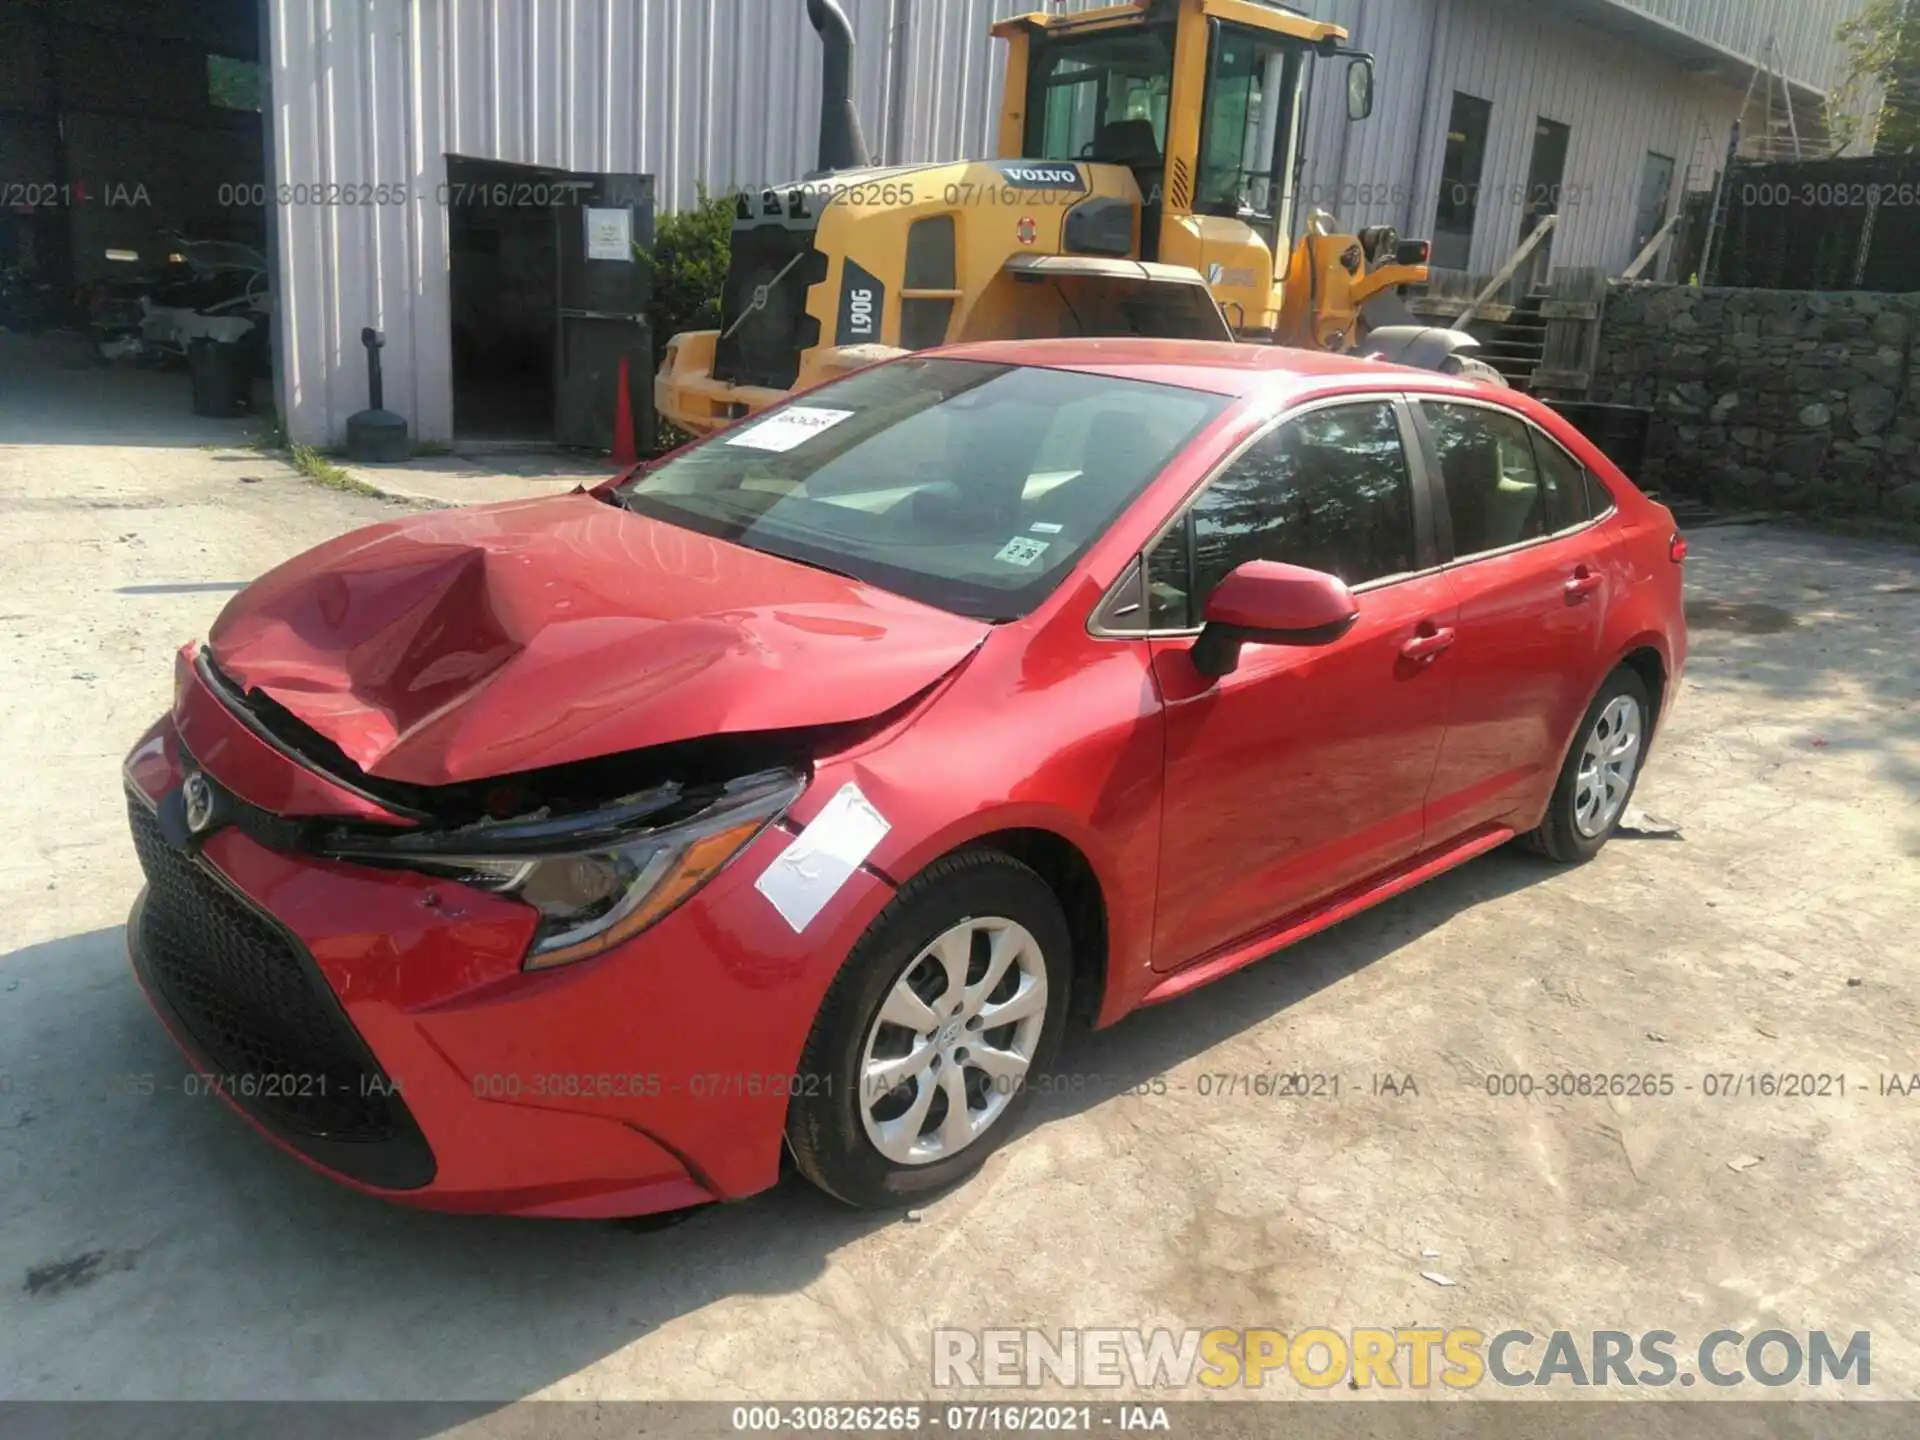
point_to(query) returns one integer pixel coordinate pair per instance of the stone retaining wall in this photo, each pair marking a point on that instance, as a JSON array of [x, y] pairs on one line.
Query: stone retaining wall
[[1771, 399]]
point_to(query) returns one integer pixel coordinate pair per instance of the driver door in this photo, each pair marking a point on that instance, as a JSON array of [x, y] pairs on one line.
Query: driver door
[[1304, 770]]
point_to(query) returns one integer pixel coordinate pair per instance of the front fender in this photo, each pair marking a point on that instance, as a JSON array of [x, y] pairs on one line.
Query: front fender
[[1062, 735]]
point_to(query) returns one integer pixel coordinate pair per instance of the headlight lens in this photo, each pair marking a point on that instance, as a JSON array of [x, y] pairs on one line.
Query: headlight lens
[[607, 889]]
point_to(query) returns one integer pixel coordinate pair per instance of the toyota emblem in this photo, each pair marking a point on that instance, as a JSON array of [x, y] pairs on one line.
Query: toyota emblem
[[197, 795]]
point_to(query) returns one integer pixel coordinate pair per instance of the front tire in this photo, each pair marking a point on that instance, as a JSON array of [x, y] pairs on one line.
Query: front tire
[[1599, 774], [917, 1066]]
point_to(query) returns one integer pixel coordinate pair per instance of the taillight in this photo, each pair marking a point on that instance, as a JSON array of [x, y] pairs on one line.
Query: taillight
[[1677, 548]]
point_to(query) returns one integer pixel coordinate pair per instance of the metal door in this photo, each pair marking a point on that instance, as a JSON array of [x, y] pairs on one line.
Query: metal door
[[1545, 173], [604, 284], [1656, 183]]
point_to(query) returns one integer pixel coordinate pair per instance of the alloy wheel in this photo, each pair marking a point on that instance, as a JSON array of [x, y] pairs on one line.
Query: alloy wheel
[[953, 1040], [1607, 763]]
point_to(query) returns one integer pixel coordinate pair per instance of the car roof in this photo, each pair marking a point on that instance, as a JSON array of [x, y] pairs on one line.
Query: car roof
[[1220, 366]]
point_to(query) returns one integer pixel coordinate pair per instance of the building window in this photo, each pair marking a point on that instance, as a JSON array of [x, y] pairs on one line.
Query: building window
[[233, 84], [1460, 180]]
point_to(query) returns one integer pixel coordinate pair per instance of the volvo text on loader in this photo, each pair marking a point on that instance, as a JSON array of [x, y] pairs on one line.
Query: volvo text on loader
[[1150, 163]]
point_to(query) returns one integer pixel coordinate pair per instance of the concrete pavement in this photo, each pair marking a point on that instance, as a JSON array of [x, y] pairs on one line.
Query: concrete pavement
[[482, 474]]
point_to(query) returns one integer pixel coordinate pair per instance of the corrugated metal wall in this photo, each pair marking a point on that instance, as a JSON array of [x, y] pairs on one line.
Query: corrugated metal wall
[[720, 92], [1619, 100], [1535, 58], [725, 92], [1364, 172], [1803, 30]]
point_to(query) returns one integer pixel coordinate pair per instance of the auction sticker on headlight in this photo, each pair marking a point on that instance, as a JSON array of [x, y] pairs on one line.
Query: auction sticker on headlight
[[810, 871], [793, 426]]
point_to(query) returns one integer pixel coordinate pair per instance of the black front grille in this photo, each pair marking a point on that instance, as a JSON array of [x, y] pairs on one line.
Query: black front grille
[[764, 324], [249, 999]]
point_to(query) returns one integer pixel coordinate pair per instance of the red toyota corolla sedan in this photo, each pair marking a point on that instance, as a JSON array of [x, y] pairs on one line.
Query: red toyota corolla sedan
[[569, 857]]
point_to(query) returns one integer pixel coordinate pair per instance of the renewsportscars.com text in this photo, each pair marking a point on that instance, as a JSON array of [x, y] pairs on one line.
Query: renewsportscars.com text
[[1319, 1358]]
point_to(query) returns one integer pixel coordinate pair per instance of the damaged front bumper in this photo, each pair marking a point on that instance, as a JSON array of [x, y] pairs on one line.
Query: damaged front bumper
[[380, 1021]]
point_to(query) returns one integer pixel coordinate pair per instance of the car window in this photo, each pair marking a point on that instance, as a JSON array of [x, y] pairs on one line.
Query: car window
[[1329, 491], [1599, 498], [1495, 496], [1563, 484], [966, 485]]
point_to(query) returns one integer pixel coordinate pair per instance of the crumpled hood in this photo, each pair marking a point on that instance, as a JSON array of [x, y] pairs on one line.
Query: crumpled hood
[[469, 643]]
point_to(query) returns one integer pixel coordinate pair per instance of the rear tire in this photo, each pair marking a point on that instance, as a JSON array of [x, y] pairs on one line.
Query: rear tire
[[907, 1084], [1598, 776]]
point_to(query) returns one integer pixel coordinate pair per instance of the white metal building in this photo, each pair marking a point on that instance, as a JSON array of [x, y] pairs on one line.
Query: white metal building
[[378, 94]]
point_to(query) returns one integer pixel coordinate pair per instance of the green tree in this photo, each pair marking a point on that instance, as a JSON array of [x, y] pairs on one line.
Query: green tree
[[1882, 41]]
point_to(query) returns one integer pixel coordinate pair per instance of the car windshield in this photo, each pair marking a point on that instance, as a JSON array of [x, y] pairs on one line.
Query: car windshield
[[964, 485]]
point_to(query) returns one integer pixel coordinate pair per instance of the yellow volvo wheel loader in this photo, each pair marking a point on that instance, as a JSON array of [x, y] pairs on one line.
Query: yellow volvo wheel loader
[[1147, 184]]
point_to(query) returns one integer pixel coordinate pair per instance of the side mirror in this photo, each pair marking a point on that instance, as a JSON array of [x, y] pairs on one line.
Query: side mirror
[[1269, 603], [1360, 87]]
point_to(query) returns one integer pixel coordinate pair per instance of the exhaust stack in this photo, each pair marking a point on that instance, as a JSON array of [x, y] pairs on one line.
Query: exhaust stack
[[842, 146]]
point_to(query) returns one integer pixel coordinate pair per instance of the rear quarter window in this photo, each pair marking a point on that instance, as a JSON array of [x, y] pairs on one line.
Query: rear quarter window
[[1565, 494], [1600, 500]]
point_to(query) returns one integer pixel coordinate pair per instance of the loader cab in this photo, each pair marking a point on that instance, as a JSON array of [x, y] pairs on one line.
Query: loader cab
[[1103, 97], [1204, 101]]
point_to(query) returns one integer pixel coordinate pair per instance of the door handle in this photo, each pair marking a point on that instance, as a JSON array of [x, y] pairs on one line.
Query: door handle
[[1584, 582], [1427, 644]]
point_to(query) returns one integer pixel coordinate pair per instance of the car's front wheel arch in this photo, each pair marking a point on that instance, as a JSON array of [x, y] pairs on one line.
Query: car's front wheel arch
[[1082, 863], [1071, 876], [836, 1132]]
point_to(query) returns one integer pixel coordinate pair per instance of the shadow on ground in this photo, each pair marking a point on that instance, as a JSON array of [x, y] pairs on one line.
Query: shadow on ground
[[299, 1287]]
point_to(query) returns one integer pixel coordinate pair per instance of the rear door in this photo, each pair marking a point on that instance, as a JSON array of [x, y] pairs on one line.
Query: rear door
[[1528, 569], [604, 288], [1305, 769]]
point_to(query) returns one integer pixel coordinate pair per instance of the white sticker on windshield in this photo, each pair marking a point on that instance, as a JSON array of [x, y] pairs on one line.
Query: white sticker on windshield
[[810, 871], [1045, 527], [793, 426], [1022, 551]]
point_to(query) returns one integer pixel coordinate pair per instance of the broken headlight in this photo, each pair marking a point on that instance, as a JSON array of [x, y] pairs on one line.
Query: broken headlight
[[599, 878]]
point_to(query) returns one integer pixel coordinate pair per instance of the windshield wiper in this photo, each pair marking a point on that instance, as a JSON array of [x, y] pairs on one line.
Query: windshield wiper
[[625, 502], [810, 564]]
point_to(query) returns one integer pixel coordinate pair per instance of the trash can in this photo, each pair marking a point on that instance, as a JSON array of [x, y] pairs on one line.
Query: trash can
[[1618, 431], [219, 375]]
